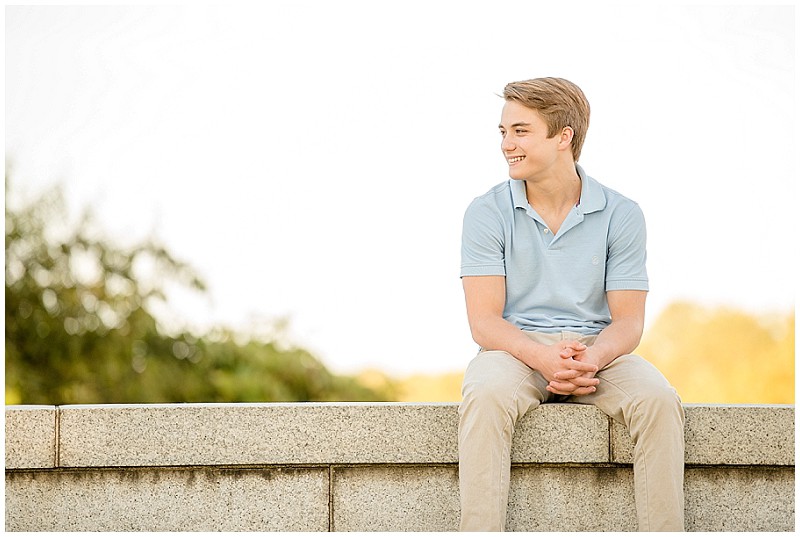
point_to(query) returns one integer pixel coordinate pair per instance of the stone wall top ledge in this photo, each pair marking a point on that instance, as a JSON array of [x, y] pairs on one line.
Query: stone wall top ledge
[[197, 434]]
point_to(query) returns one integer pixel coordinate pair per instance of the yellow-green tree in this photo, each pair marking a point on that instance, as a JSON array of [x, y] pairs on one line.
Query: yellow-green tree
[[723, 355]]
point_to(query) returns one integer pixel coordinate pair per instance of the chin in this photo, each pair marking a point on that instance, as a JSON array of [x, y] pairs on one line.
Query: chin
[[516, 175]]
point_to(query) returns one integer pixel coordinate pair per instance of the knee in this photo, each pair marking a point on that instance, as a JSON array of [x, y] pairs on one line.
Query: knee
[[481, 393], [484, 391], [483, 411], [661, 405]]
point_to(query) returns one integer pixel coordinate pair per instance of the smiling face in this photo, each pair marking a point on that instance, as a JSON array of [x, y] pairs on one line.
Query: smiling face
[[530, 154]]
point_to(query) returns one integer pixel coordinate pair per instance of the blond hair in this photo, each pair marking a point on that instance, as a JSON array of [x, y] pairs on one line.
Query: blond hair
[[560, 103]]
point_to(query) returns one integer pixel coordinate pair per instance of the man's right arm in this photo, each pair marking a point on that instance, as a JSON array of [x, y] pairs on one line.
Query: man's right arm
[[485, 297]]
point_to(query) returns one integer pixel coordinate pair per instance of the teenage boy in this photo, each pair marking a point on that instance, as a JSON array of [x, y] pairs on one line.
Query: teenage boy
[[553, 269]]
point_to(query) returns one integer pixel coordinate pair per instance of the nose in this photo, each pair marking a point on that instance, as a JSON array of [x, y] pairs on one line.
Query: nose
[[507, 144]]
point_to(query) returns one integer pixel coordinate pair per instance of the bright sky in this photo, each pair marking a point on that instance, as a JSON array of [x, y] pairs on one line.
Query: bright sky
[[313, 159]]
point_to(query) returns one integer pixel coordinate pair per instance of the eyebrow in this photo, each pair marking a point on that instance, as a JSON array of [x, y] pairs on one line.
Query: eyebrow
[[519, 124]]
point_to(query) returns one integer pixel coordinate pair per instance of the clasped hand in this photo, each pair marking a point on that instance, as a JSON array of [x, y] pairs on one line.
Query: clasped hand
[[569, 370]]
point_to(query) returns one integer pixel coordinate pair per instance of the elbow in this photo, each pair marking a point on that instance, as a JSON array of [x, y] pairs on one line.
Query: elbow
[[636, 330], [634, 344], [477, 336], [475, 328]]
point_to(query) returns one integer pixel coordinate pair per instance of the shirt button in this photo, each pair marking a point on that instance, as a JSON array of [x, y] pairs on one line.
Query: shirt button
[[546, 231]]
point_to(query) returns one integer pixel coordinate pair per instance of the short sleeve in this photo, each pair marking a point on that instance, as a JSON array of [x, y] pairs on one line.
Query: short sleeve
[[482, 241], [627, 252]]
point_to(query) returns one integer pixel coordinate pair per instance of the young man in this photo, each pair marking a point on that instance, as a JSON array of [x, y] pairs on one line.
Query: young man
[[553, 269]]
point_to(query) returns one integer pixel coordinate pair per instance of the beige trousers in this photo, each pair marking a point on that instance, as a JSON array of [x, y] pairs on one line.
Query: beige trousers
[[498, 390]]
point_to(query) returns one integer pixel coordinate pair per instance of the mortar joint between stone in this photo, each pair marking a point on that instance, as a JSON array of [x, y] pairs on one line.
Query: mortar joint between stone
[[57, 438], [330, 498]]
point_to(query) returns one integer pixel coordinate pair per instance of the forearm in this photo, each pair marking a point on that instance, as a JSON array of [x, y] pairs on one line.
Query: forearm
[[497, 334], [620, 337]]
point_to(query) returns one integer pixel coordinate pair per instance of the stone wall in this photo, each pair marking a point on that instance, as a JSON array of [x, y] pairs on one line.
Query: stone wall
[[370, 467]]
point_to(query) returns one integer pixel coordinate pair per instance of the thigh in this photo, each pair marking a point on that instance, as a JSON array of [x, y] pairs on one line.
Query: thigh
[[500, 376], [625, 383]]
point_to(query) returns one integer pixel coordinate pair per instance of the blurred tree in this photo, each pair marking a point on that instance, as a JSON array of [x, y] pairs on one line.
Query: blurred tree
[[723, 355], [79, 327]]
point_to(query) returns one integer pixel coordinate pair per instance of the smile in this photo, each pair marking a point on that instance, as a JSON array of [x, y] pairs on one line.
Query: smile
[[514, 160]]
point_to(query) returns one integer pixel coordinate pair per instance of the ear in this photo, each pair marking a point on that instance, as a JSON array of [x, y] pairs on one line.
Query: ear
[[565, 138]]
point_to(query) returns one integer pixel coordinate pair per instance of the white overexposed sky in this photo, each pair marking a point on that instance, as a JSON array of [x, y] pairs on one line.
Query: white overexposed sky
[[313, 160]]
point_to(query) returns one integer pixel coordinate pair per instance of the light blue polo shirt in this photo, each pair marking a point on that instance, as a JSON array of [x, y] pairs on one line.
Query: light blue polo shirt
[[556, 283]]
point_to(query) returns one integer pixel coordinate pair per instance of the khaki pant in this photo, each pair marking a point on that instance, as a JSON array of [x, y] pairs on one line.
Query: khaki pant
[[498, 390]]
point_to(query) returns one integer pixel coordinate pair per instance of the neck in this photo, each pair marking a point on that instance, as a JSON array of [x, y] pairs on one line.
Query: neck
[[558, 190]]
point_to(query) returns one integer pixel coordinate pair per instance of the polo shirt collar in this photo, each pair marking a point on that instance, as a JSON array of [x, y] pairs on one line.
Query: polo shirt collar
[[592, 196], [518, 195]]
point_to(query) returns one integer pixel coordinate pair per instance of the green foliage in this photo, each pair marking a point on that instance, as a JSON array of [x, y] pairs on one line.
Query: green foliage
[[79, 327]]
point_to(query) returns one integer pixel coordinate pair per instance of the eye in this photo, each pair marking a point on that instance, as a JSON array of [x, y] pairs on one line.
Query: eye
[[521, 131]]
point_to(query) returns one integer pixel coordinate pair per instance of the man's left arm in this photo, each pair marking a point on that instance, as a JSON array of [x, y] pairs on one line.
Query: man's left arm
[[625, 331], [617, 339]]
